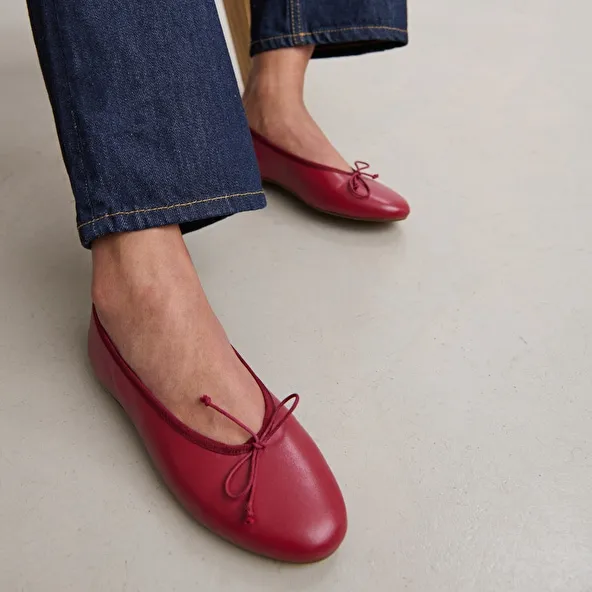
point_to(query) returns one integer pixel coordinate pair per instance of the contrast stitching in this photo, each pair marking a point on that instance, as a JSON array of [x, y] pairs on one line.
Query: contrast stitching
[[299, 16], [328, 31], [161, 208], [292, 18]]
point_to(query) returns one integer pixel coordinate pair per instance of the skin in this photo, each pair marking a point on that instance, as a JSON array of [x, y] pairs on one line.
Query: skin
[[148, 294], [274, 103]]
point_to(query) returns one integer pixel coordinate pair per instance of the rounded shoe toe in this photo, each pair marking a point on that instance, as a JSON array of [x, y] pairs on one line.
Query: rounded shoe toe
[[299, 512], [387, 204], [322, 538]]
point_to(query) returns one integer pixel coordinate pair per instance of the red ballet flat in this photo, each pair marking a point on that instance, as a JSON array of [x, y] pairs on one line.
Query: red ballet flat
[[349, 194], [273, 495]]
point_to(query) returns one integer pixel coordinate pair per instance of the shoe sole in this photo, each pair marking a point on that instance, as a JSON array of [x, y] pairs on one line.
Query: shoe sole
[[336, 215]]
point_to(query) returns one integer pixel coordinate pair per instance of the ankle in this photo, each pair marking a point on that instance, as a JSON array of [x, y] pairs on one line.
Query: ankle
[[266, 101], [272, 87], [136, 263], [272, 112], [276, 80], [280, 68]]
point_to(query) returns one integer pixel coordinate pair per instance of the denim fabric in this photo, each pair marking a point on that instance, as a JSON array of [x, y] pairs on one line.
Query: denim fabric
[[336, 27], [148, 112], [147, 108]]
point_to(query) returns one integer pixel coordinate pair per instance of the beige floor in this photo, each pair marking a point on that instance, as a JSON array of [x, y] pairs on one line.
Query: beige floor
[[445, 364]]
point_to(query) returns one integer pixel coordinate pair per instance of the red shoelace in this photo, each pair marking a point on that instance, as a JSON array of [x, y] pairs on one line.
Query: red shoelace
[[258, 445], [357, 183]]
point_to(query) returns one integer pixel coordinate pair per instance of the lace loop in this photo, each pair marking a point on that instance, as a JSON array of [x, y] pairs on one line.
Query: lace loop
[[357, 182], [258, 445]]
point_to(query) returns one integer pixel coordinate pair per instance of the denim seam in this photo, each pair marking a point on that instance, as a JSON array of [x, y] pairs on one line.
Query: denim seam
[[293, 35], [72, 114], [299, 9], [169, 207], [321, 31]]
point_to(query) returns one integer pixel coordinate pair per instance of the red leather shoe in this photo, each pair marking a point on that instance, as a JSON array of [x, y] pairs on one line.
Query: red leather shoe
[[274, 495], [354, 194]]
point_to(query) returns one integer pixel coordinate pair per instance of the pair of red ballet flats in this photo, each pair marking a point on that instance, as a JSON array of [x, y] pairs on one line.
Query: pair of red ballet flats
[[274, 495]]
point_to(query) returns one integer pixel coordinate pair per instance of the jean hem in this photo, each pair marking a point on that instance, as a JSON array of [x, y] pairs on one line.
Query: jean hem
[[185, 214], [338, 42]]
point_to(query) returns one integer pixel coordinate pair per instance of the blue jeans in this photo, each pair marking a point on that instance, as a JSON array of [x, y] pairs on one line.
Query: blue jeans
[[147, 108]]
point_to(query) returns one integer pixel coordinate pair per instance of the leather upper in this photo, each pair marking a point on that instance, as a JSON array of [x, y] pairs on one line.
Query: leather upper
[[299, 510], [351, 194]]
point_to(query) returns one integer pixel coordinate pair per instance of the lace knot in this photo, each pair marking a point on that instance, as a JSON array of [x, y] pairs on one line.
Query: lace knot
[[357, 182], [257, 444]]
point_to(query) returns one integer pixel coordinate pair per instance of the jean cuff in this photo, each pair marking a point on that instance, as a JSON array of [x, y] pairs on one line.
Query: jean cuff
[[190, 215], [337, 42]]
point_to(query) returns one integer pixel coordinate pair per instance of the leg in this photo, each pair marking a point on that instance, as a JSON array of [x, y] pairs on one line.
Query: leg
[[146, 108], [161, 321], [153, 136], [299, 31], [149, 118]]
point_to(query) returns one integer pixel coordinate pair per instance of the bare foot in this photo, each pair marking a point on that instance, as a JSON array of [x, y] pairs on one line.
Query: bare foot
[[274, 104], [152, 305]]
